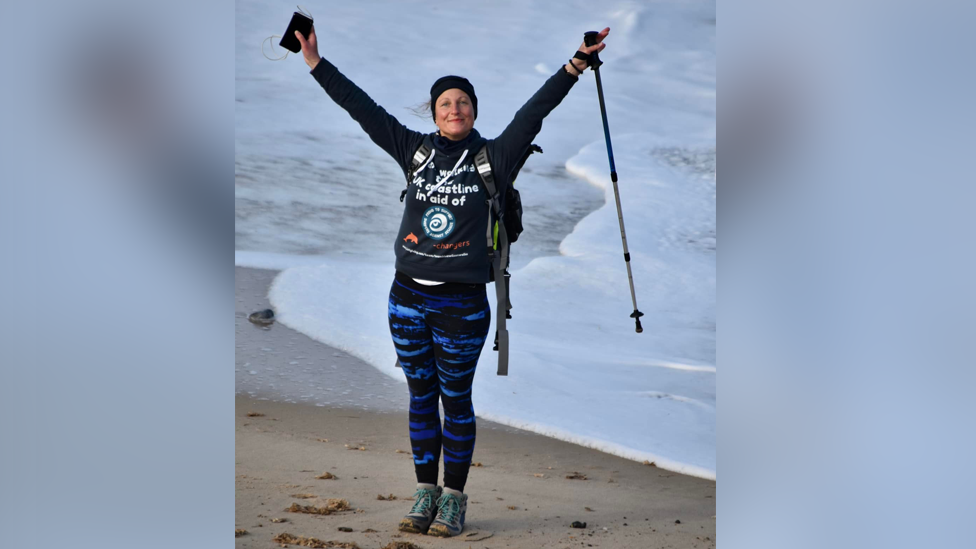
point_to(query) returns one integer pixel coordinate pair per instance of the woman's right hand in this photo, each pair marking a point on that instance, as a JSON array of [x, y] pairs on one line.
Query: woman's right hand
[[310, 48]]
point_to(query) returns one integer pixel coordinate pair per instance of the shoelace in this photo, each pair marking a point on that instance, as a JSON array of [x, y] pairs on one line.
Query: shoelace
[[449, 508], [424, 501]]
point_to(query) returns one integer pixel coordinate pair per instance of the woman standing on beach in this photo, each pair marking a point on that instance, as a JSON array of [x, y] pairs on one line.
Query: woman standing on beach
[[438, 306]]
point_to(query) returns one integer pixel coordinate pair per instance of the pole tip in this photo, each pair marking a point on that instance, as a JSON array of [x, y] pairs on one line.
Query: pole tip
[[636, 316]]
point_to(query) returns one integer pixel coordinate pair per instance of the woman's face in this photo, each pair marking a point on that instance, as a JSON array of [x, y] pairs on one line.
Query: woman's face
[[454, 114]]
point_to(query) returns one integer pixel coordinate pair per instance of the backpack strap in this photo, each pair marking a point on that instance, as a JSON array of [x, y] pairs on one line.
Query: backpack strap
[[494, 239], [484, 171], [420, 158], [499, 260]]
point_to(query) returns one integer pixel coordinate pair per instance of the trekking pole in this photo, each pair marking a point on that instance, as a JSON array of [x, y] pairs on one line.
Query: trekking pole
[[589, 38]]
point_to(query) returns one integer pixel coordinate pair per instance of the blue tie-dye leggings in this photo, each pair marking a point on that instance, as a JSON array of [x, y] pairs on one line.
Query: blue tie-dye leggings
[[438, 332]]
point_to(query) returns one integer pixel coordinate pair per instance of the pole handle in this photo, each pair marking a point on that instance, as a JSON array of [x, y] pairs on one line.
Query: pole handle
[[589, 38]]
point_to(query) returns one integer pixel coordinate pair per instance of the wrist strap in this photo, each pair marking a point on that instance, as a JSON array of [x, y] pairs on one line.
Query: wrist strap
[[577, 69], [583, 57]]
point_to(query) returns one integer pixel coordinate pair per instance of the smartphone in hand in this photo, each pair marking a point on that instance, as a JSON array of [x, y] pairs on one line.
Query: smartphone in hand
[[299, 23]]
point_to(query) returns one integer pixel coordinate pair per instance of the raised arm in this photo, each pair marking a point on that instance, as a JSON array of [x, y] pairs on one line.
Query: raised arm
[[527, 123], [383, 128]]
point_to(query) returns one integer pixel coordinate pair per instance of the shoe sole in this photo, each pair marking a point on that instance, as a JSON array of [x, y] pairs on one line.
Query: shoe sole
[[407, 525], [441, 531]]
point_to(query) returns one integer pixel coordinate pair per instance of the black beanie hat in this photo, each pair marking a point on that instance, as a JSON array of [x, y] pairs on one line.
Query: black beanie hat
[[445, 83]]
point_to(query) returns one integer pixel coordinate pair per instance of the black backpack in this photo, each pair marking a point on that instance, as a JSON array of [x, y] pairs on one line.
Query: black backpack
[[508, 210], [512, 217]]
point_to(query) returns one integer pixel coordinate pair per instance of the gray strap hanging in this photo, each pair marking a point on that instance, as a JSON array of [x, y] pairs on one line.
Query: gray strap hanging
[[499, 260]]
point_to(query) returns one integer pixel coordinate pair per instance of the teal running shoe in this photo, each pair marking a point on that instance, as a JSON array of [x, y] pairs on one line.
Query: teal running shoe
[[421, 514], [450, 515]]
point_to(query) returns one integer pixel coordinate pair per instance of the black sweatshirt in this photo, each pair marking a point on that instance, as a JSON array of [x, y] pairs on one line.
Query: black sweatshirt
[[444, 231]]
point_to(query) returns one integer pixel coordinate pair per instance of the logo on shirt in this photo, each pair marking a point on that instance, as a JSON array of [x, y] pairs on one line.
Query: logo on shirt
[[438, 222], [411, 238]]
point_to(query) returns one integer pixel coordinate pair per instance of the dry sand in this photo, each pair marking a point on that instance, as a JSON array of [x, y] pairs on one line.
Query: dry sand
[[519, 497]]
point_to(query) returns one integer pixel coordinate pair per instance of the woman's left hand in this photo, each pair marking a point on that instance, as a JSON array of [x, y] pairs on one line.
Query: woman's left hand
[[597, 47]]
